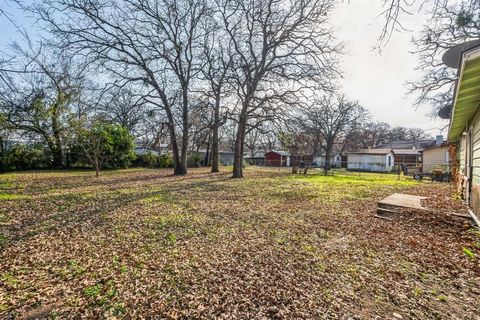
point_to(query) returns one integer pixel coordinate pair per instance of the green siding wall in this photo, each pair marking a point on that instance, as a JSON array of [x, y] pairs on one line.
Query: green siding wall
[[476, 149]]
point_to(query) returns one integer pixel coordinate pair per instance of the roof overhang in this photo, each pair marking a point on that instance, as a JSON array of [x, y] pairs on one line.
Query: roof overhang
[[467, 93], [452, 57]]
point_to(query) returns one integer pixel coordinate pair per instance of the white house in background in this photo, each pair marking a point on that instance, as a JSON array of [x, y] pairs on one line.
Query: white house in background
[[379, 160], [335, 160], [144, 150], [436, 158], [225, 158], [255, 157]]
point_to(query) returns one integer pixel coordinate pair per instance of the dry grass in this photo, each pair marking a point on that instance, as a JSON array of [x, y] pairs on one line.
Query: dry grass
[[139, 243]]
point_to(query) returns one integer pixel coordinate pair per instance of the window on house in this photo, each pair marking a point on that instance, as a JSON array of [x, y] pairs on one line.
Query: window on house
[[389, 161]]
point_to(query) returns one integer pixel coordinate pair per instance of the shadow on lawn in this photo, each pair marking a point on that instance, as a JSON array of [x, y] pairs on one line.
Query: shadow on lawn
[[73, 182], [73, 210]]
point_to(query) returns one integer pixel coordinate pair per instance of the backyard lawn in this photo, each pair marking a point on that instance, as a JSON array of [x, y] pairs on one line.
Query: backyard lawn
[[143, 243]]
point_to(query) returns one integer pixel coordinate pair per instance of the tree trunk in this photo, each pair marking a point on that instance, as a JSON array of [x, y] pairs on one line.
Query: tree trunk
[[97, 167], [238, 157], [53, 149], [294, 168], [58, 158], [327, 165], [206, 161], [57, 152], [216, 125], [177, 170], [179, 164], [183, 159]]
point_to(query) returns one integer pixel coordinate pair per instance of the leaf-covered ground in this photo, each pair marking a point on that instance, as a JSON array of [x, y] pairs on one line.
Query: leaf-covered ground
[[143, 243]]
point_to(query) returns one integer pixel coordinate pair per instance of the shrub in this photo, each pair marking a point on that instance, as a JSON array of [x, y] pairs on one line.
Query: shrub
[[165, 161], [24, 157], [194, 160], [121, 152], [104, 145], [150, 160]]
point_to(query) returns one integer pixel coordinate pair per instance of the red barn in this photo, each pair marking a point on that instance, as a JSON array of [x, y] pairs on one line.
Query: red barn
[[277, 159]]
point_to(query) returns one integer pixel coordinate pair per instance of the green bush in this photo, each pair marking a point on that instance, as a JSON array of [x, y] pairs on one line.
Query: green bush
[[165, 161], [150, 160], [121, 152], [24, 157], [109, 145], [194, 160]]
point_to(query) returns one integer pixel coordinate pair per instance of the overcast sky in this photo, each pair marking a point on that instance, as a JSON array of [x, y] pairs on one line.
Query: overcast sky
[[376, 81], [379, 81]]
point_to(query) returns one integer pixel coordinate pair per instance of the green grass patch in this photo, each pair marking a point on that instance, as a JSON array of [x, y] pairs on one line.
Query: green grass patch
[[6, 185], [12, 196], [3, 218], [365, 179], [158, 196], [101, 294], [10, 281], [3, 240]]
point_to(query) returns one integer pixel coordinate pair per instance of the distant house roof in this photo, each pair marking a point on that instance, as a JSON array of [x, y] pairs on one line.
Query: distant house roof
[[219, 151], [143, 150], [409, 144], [256, 155], [320, 154], [412, 152], [282, 153], [371, 151]]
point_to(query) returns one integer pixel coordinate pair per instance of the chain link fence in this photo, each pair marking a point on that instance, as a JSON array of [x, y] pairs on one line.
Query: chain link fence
[[370, 170]]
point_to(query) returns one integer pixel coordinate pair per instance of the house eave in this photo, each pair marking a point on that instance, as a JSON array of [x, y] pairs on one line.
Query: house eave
[[467, 93]]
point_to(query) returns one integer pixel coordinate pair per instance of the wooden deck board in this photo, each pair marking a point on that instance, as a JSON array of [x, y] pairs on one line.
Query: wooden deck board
[[404, 201]]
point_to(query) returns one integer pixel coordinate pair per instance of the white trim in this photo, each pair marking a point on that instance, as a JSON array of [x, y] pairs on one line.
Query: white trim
[[474, 217], [472, 55]]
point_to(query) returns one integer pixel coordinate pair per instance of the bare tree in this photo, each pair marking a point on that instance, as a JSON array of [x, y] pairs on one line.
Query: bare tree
[[333, 119], [219, 58], [102, 142], [123, 106], [293, 137], [268, 139], [252, 140], [404, 133], [153, 130], [451, 23], [370, 134], [201, 124], [152, 43], [278, 45]]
